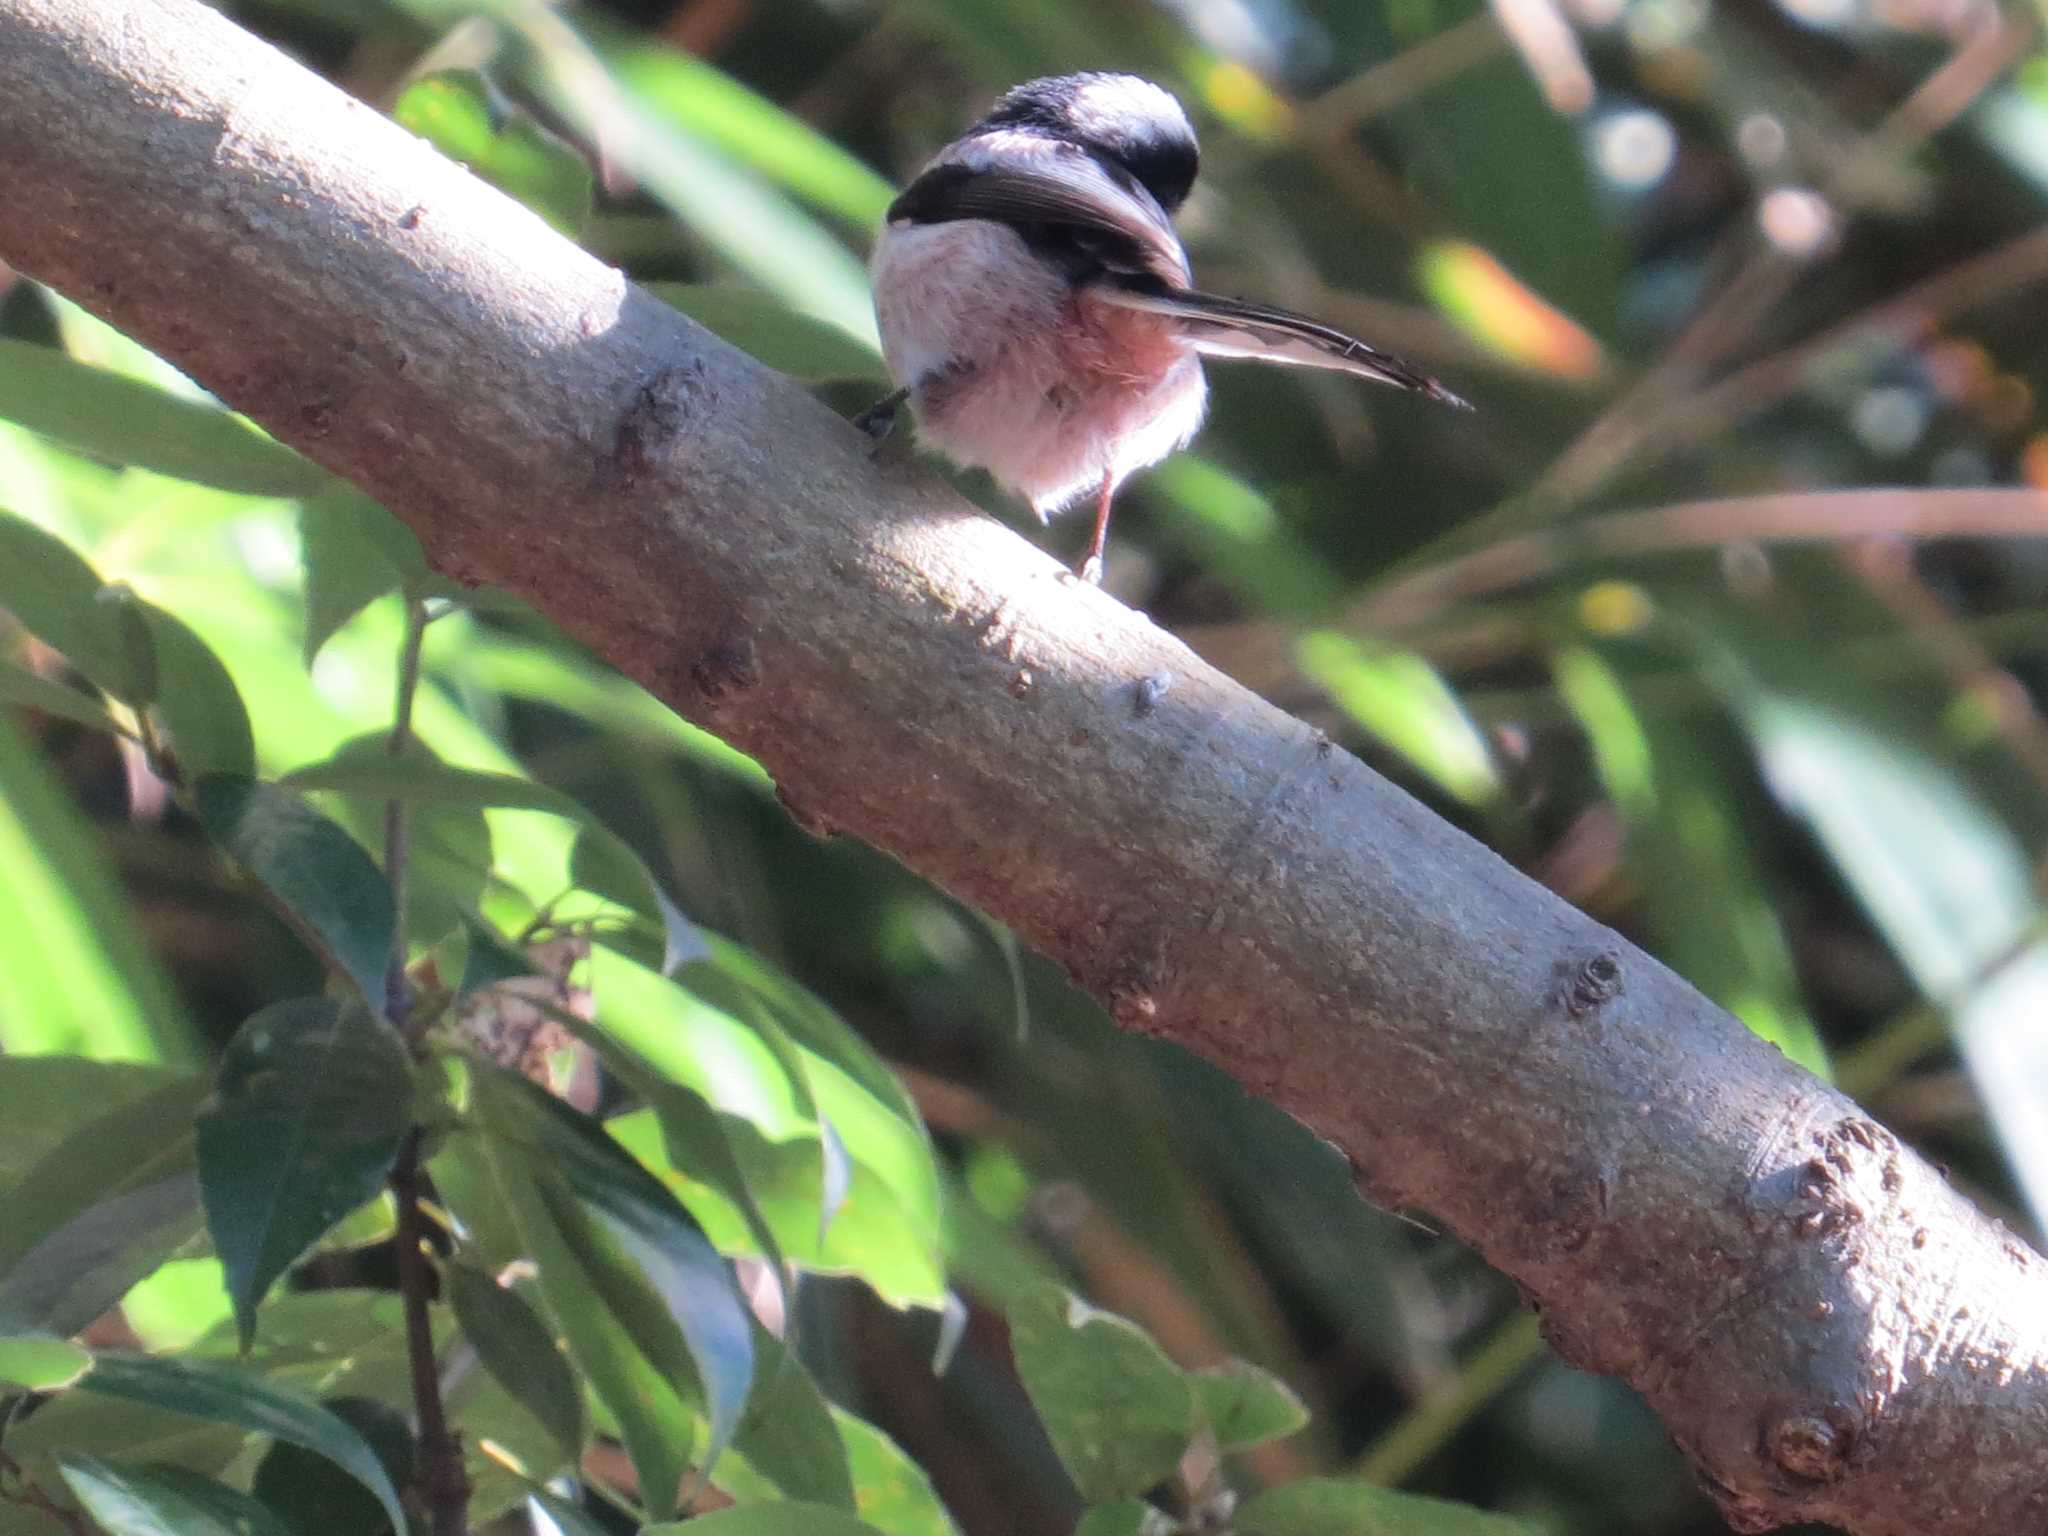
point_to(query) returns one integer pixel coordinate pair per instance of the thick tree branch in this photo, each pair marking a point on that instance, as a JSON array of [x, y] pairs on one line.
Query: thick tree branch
[[1827, 1328]]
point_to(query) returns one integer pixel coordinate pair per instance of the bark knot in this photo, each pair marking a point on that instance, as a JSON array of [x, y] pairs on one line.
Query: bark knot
[[1812, 1447], [1595, 982]]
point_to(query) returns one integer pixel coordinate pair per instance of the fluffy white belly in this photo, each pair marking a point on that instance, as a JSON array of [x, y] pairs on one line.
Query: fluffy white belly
[[1013, 370]]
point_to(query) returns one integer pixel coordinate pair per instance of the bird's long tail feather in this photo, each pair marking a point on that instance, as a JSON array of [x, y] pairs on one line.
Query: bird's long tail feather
[[1221, 327]]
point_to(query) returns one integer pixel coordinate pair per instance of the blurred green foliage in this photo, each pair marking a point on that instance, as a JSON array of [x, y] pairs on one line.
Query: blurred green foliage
[[1712, 270]]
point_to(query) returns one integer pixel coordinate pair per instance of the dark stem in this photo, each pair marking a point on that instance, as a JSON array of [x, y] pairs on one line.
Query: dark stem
[[442, 1479]]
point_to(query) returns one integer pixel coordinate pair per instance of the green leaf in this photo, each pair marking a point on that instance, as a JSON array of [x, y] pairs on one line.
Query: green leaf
[[99, 1210], [198, 702], [421, 780], [315, 869], [888, 1487], [787, 1445], [54, 594], [488, 959], [771, 1121], [448, 841], [124, 421], [618, 1333], [204, 1389], [1243, 1405], [692, 1135], [458, 112], [75, 973], [20, 686], [131, 631], [354, 552], [314, 1100], [659, 1235], [1329, 1506], [1125, 1517], [765, 327], [517, 1348], [786, 1518], [164, 1501], [313, 1496], [41, 1362], [1118, 1412]]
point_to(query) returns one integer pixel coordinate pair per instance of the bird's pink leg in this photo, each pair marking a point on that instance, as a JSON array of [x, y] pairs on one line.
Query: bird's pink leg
[[1090, 569]]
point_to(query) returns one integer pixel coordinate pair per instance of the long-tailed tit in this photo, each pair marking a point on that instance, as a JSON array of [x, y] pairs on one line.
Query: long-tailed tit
[[1036, 306]]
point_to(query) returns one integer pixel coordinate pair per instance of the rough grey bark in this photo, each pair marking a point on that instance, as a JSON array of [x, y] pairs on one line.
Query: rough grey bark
[[1827, 1329]]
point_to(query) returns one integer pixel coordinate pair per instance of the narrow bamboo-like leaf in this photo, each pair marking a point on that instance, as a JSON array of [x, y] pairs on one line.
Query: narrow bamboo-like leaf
[[51, 1097], [99, 1210], [1118, 1412], [205, 1389], [767, 328], [75, 975], [1399, 698], [702, 98], [517, 1348], [314, 1098], [1329, 1506], [164, 1501], [458, 113], [749, 222], [125, 421], [41, 1362], [1243, 1405], [1704, 892], [785, 1518], [89, 1263], [316, 870]]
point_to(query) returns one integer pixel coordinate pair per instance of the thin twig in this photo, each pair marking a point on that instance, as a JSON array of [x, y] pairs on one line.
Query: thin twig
[[397, 1003], [29, 1496], [1795, 517], [442, 1477]]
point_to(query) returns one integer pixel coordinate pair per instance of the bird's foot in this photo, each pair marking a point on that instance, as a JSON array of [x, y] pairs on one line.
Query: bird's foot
[[879, 419]]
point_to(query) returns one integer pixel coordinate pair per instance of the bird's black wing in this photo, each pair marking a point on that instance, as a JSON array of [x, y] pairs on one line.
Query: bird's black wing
[[1071, 207], [1221, 327]]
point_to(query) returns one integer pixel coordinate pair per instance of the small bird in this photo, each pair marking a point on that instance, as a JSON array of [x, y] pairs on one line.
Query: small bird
[[1036, 306]]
